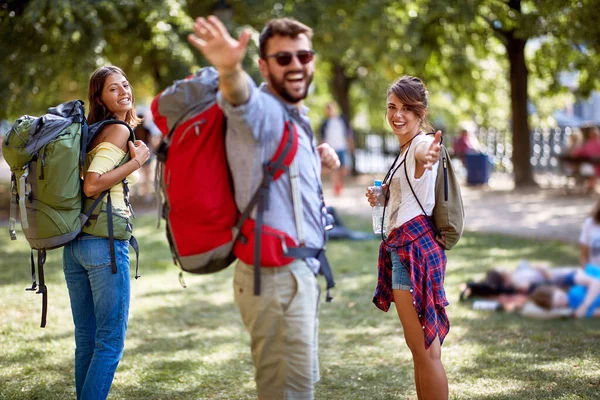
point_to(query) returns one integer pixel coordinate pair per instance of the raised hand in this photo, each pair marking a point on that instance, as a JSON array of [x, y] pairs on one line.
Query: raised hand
[[433, 153], [216, 44]]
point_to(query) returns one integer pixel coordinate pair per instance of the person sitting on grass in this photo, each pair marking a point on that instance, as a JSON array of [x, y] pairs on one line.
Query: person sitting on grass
[[583, 297]]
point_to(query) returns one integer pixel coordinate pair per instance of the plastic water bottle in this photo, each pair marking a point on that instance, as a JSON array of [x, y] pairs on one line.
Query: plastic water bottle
[[378, 207]]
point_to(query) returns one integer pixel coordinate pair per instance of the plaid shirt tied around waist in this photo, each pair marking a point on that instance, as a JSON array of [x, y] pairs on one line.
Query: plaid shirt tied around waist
[[426, 260]]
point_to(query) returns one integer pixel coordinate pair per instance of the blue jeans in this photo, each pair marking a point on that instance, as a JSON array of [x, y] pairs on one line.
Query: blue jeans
[[400, 274], [100, 307]]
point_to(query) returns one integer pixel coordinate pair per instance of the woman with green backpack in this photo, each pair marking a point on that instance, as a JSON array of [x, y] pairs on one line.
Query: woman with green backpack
[[96, 263], [412, 263]]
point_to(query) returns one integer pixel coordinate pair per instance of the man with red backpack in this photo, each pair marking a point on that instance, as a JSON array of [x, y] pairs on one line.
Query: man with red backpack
[[283, 320]]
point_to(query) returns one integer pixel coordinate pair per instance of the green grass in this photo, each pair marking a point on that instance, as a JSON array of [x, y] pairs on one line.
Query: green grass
[[190, 343]]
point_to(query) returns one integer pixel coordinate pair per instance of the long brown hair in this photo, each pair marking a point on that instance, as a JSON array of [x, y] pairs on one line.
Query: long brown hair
[[98, 111], [412, 92]]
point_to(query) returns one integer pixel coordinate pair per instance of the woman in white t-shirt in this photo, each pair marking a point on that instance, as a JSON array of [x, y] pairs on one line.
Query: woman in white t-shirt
[[589, 240], [412, 264]]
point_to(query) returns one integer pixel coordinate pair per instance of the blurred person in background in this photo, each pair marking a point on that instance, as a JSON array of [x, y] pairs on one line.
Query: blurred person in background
[[464, 144], [148, 133], [336, 132], [590, 149]]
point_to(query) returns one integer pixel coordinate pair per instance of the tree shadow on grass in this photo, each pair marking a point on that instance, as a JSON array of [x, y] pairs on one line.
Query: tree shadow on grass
[[186, 380], [533, 382], [528, 353], [38, 378], [193, 350]]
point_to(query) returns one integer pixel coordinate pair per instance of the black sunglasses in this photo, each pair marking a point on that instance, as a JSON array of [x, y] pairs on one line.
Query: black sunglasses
[[283, 58]]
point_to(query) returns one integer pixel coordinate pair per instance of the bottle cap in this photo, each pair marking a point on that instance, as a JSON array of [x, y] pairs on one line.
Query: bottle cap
[[378, 182]]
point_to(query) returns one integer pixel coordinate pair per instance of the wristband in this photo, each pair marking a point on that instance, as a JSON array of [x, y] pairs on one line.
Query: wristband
[[139, 165]]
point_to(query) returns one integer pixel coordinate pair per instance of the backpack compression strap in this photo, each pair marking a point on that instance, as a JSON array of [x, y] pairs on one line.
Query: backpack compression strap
[[41, 288]]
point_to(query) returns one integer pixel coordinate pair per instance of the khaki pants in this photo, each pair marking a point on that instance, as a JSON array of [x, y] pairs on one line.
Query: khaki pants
[[282, 323]]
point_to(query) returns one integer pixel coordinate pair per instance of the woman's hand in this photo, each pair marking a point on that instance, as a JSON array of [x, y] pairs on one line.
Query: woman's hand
[[139, 151], [433, 153], [373, 199]]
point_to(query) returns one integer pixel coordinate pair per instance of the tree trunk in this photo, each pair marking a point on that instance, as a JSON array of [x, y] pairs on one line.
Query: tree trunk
[[341, 93], [341, 89], [520, 117]]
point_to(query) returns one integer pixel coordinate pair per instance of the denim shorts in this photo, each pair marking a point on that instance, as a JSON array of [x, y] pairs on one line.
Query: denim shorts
[[400, 274], [342, 156]]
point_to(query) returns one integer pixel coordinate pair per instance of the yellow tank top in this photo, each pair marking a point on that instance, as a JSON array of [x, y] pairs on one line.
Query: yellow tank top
[[103, 158]]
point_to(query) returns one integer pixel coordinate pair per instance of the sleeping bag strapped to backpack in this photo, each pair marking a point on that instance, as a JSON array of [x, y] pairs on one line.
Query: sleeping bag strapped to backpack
[[46, 155], [203, 222]]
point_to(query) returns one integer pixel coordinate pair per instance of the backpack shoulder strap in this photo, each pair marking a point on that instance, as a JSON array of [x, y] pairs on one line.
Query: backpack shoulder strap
[[95, 128], [286, 151]]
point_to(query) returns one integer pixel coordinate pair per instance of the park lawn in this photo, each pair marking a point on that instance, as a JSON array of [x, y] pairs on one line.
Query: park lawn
[[190, 343]]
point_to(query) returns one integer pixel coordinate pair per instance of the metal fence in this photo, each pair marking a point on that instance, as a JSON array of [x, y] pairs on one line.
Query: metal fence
[[375, 151]]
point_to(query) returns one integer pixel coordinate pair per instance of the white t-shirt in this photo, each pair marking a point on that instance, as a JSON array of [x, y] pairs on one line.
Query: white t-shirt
[[590, 237], [335, 134], [402, 206]]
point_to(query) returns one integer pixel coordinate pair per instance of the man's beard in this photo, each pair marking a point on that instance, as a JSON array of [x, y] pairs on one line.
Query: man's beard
[[279, 87]]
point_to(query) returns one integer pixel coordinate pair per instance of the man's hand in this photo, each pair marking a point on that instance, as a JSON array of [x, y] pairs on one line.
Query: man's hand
[[214, 42], [329, 158], [433, 153]]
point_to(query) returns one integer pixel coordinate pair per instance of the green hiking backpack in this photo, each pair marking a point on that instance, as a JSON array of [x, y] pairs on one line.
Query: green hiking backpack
[[46, 155]]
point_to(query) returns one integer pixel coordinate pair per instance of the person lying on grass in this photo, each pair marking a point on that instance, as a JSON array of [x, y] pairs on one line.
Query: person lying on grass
[[583, 296], [520, 282]]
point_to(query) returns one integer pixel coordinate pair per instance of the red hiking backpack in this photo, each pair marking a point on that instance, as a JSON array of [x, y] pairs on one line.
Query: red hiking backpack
[[192, 155]]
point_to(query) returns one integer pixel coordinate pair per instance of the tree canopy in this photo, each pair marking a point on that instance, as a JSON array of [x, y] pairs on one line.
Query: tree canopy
[[487, 61]]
